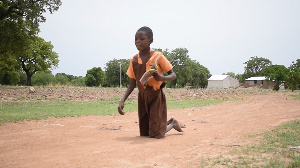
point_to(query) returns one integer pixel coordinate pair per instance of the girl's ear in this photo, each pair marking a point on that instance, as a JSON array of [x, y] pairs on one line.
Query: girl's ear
[[151, 40]]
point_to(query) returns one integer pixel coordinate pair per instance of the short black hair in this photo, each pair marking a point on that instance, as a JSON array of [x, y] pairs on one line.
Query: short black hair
[[147, 30]]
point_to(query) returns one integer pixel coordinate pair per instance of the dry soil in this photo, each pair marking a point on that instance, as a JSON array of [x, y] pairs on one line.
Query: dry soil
[[114, 141]]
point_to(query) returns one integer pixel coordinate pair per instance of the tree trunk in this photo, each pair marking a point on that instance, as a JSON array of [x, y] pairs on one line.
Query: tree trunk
[[28, 78]]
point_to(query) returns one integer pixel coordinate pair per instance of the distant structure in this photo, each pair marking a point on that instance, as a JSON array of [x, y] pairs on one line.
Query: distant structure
[[222, 82], [259, 81]]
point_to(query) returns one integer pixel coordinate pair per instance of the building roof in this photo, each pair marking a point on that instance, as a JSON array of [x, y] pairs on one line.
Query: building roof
[[257, 78], [218, 77]]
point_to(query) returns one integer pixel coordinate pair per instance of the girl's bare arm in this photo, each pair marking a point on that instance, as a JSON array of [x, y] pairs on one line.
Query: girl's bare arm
[[171, 76], [130, 88]]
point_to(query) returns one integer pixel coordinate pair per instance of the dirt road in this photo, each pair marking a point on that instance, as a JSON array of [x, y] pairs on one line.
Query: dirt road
[[113, 141]]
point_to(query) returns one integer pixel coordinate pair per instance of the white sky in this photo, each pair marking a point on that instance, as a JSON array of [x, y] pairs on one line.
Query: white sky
[[221, 35]]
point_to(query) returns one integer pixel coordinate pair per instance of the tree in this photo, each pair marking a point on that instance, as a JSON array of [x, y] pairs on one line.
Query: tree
[[240, 77], [94, 77], [187, 71], [255, 66], [65, 79], [179, 58], [43, 78], [39, 56], [90, 80], [293, 76], [19, 26], [31, 12], [232, 74], [296, 64], [23, 79], [112, 72], [9, 77], [276, 73], [200, 75], [14, 39], [78, 81], [62, 78]]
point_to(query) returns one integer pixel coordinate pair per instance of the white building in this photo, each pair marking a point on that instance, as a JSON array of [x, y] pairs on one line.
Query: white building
[[259, 81], [222, 82]]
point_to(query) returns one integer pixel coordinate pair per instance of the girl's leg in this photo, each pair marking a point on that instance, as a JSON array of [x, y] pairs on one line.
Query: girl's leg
[[172, 123]]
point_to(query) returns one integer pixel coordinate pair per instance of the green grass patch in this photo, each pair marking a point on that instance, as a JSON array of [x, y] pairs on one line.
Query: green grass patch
[[277, 148], [295, 96], [21, 110]]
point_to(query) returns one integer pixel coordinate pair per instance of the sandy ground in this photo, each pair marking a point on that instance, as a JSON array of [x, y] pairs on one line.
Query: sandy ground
[[114, 141]]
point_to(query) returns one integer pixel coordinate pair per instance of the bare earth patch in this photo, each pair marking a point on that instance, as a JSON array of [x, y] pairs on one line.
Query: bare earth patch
[[114, 141]]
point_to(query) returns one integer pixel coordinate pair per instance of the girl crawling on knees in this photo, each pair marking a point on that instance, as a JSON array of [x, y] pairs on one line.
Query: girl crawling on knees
[[152, 107]]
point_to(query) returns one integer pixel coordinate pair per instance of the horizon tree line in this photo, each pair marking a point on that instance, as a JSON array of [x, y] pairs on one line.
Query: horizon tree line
[[27, 59]]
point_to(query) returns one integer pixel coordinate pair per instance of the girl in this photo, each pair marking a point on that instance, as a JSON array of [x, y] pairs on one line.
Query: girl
[[152, 108]]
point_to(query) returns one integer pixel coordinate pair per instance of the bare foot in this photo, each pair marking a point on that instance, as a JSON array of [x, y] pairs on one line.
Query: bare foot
[[177, 126], [180, 123]]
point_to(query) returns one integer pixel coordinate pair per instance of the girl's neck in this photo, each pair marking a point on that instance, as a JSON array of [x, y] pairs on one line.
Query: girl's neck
[[145, 52]]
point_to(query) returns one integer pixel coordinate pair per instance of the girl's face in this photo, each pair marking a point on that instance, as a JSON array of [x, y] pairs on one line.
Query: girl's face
[[142, 41]]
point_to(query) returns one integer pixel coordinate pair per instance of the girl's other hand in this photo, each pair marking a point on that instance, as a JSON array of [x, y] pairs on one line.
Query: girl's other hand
[[120, 108]]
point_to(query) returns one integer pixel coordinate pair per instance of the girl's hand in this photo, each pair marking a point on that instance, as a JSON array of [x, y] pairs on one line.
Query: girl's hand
[[158, 77], [120, 108]]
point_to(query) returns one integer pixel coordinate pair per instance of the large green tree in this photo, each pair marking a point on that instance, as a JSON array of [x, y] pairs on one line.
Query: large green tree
[[14, 40], [94, 77], [19, 26], [188, 72], [277, 74], [30, 11], [19, 20], [179, 58], [200, 75], [255, 66], [39, 56], [112, 72]]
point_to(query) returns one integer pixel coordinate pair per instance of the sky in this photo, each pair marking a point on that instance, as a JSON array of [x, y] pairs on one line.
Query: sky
[[220, 35]]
